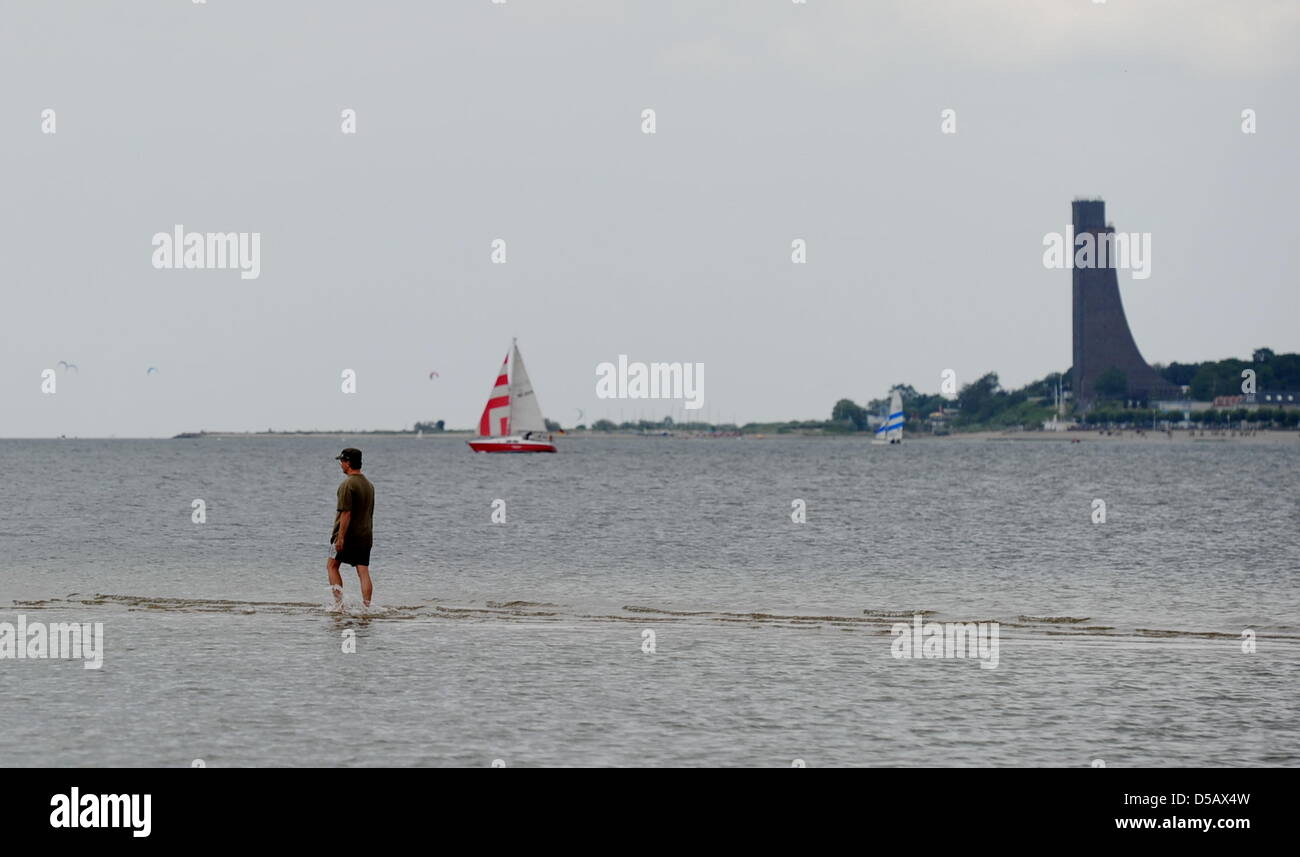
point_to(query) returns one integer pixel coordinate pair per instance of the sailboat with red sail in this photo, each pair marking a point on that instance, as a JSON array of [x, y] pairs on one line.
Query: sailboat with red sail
[[512, 419]]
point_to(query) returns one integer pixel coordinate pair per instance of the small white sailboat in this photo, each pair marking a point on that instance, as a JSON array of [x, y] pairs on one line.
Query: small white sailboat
[[1055, 424], [891, 430], [512, 419]]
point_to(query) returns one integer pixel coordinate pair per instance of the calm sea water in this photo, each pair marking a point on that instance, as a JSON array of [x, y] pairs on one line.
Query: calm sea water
[[523, 641]]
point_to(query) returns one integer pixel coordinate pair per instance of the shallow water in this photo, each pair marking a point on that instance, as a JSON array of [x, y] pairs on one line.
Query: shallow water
[[523, 641]]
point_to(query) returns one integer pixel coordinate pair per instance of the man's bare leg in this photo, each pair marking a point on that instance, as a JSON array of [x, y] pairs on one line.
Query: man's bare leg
[[336, 581], [363, 572]]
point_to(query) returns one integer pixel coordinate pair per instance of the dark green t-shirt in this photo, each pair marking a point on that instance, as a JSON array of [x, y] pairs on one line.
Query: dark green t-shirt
[[356, 495]]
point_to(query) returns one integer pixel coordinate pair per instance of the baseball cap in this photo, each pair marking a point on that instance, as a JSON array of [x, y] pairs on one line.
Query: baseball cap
[[351, 456]]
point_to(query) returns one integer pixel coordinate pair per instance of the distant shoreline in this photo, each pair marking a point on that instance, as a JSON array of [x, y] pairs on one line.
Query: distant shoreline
[[362, 433], [1268, 436], [1088, 436], [1272, 436]]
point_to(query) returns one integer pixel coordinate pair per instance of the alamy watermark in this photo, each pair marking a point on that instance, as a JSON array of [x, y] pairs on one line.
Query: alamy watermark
[[220, 250], [946, 640], [37, 640], [74, 809], [652, 381], [1099, 250]]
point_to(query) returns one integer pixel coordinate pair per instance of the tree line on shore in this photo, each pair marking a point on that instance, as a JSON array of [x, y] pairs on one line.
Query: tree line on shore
[[984, 404]]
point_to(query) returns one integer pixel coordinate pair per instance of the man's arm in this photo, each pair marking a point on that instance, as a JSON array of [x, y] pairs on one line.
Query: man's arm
[[345, 513], [345, 518]]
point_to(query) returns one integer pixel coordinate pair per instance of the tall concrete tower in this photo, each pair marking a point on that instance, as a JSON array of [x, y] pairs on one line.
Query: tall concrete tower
[[1102, 339]]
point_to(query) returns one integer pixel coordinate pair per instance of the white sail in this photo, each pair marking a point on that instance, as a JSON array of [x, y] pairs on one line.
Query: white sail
[[891, 430], [895, 431], [525, 412]]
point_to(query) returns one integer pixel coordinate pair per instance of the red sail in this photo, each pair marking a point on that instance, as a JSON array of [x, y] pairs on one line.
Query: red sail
[[496, 414]]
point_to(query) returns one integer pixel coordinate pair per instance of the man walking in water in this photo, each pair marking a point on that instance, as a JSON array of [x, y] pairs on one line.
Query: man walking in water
[[352, 534]]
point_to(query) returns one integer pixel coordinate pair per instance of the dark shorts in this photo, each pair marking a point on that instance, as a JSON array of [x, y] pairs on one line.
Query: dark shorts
[[353, 554]]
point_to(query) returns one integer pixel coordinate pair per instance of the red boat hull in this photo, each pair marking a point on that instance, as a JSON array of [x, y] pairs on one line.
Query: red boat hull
[[510, 445]]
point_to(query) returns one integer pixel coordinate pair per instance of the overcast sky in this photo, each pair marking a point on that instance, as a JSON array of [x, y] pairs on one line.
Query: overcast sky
[[523, 121]]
